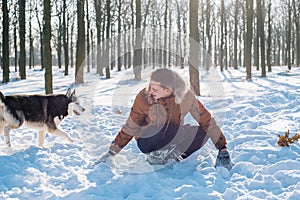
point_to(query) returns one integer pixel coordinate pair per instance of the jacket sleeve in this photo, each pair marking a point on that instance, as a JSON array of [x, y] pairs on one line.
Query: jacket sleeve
[[208, 123], [133, 124]]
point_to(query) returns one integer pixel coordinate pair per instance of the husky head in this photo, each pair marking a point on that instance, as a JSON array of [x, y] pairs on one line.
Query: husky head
[[74, 106]]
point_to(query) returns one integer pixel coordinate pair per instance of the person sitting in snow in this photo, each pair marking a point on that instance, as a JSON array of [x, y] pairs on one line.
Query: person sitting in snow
[[156, 121]]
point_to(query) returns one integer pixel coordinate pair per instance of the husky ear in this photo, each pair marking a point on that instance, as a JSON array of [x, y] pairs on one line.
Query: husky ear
[[68, 92], [73, 93]]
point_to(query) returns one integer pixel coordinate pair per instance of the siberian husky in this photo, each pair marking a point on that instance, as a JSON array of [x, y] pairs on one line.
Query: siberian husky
[[40, 112]]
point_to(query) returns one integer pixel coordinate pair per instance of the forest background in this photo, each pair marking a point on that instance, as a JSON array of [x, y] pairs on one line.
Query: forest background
[[126, 34]]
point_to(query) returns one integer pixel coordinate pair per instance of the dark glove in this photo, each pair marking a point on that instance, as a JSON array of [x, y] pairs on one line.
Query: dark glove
[[104, 158], [223, 159]]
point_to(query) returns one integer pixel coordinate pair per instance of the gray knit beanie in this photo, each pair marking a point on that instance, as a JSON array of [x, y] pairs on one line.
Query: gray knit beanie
[[170, 79], [164, 76]]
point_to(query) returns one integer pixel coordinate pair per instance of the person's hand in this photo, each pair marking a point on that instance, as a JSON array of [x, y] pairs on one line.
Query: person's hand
[[223, 159], [104, 158]]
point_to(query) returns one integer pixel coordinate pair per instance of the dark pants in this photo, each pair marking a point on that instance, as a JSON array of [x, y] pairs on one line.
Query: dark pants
[[187, 139]]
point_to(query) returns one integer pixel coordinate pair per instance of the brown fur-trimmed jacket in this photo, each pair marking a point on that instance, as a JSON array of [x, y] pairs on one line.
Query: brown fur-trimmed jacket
[[147, 112]]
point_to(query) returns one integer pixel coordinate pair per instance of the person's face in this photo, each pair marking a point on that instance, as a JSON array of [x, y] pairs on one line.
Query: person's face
[[157, 91]]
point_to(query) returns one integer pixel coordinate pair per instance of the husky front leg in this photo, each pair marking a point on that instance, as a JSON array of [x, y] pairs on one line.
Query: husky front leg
[[62, 134], [41, 138], [7, 129], [2, 125]]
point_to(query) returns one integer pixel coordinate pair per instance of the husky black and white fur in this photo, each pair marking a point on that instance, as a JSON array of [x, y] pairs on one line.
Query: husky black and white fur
[[40, 112]]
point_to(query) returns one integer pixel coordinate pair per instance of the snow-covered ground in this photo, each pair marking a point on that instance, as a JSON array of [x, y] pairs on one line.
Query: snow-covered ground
[[250, 113]]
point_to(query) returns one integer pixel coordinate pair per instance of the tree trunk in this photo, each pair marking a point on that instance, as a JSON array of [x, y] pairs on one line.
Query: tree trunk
[[248, 39], [41, 38], [125, 61], [222, 36], [165, 35], [194, 48], [30, 39], [288, 37], [47, 47], [256, 49], [209, 31], [100, 35], [72, 47], [107, 51], [260, 28], [202, 35], [16, 47], [92, 49], [88, 46], [178, 43], [279, 52], [5, 42], [103, 50], [235, 49], [137, 54], [269, 40], [65, 39], [80, 46], [59, 45], [297, 26], [184, 46], [170, 40], [131, 37], [154, 50], [216, 47], [129, 54], [119, 36], [42, 50], [225, 43], [22, 35]]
